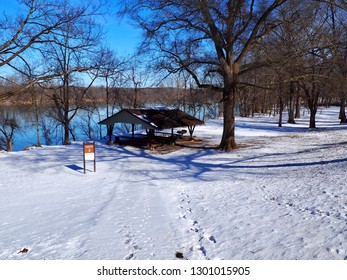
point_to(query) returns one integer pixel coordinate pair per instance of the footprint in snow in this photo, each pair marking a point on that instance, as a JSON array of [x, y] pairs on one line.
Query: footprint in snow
[[194, 229], [203, 250], [128, 257], [212, 239]]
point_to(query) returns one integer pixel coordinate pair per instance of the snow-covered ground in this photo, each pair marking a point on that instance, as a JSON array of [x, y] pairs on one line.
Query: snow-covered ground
[[282, 195]]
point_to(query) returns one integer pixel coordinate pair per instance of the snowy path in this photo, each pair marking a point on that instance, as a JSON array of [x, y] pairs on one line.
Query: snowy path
[[137, 217]]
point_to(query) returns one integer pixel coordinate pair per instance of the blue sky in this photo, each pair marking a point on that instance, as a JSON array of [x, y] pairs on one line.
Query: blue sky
[[120, 35]]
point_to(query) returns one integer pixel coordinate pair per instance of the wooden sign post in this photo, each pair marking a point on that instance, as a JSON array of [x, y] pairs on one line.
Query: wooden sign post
[[89, 154]]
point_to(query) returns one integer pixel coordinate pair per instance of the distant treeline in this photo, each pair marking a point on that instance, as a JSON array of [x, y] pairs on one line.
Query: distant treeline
[[122, 97]]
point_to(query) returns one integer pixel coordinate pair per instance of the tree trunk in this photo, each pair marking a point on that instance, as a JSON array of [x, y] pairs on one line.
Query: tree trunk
[[313, 112], [291, 104], [312, 96], [281, 112], [313, 106], [9, 146], [343, 110], [298, 105], [66, 129], [228, 138], [37, 117], [66, 99]]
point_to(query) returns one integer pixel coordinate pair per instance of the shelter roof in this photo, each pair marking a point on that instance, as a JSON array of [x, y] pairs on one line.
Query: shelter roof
[[153, 118]]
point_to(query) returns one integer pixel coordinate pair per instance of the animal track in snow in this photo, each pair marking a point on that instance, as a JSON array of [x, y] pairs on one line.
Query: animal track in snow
[[201, 239]]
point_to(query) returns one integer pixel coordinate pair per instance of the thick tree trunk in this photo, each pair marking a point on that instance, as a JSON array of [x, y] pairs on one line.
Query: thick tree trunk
[[9, 146], [228, 138], [313, 107], [313, 112], [312, 102]]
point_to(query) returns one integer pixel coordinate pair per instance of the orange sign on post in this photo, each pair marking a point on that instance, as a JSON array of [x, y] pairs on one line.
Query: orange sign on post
[[89, 154], [89, 151]]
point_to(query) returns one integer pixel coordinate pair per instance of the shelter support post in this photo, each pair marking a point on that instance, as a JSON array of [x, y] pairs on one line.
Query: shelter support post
[[150, 137], [172, 137], [109, 133], [133, 130]]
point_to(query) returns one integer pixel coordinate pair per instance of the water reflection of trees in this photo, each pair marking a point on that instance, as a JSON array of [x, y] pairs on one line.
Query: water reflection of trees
[[38, 116]]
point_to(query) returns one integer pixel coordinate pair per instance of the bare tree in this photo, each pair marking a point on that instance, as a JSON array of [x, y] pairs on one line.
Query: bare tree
[[316, 73], [24, 36], [202, 37], [137, 78], [110, 71], [303, 52], [337, 20], [72, 47]]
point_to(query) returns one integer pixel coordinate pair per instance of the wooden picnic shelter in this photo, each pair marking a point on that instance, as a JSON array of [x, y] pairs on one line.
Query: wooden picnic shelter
[[154, 121]]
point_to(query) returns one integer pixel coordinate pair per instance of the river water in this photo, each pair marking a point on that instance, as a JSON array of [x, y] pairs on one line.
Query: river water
[[84, 125], [49, 131]]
